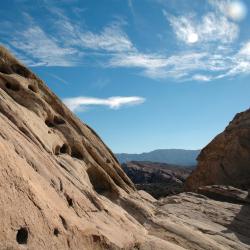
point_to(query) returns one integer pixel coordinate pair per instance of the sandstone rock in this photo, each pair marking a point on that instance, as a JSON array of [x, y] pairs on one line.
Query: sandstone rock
[[225, 161], [62, 188], [197, 222], [225, 193], [59, 182]]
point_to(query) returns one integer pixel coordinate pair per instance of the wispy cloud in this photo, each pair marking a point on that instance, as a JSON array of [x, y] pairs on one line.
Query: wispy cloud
[[138, 60], [234, 9], [207, 47], [42, 50], [179, 66], [240, 62], [68, 43], [116, 102], [58, 78], [211, 27], [112, 38], [202, 78], [209, 55], [131, 7]]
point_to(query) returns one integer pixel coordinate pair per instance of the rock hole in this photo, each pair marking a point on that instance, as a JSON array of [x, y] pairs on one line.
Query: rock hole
[[76, 153], [99, 181], [5, 69], [55, 121], [49, 123], [33, 88], [65, 149], [58, 120], [22, 235], [21, 70], [96, 238], [61, 185], [108, 160], [12, 86], [65, 225], [69, 200], [56, 232], [68, 243]]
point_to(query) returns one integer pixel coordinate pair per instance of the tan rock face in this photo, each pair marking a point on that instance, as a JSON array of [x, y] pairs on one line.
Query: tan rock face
[[62, 188], [57, 178], [226, 160]]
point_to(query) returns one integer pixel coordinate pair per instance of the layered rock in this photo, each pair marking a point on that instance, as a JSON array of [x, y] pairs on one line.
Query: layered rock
[[62, 188], [57, 177], [158, 179], [226, 160]]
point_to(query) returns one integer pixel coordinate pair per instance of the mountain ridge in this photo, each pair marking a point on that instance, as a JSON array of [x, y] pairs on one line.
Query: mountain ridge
[[183, 157]]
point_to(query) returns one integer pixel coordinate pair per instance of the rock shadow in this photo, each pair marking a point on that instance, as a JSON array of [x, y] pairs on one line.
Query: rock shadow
[[240, 225]]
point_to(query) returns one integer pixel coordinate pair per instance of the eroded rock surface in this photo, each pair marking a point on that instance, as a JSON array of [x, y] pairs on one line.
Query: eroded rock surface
[[226, 160], [195, 221], [62, 188], [57, 178]]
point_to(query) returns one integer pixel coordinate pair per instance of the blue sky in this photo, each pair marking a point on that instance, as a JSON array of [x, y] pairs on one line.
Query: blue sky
[[145, 74]]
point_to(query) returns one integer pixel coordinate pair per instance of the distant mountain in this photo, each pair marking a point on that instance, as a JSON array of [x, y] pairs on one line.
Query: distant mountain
[[171, 156]]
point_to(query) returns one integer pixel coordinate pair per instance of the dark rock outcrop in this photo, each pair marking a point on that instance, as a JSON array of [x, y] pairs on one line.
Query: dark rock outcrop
[[158, 179], [225, 160]]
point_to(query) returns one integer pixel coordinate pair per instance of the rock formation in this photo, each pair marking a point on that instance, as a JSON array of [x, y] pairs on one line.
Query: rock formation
[[57, 177], [158, 179], [226, 160], [62, 188]]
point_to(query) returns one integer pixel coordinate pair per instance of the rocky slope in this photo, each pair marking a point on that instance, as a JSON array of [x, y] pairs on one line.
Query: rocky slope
[[180, 157], [62, 188], [226, 160], [158, 179]]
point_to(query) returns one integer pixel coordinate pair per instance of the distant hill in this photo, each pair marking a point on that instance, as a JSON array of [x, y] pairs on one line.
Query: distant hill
[[158, 179], [171, 156]]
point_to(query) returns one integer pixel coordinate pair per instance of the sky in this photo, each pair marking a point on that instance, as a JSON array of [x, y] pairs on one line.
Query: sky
[[144, 74]]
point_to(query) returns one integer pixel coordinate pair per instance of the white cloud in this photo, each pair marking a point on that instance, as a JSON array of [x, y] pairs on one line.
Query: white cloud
[[212, 27], [71, 43], [58, 78], [68, 42], [112, 38], [180, 66], [240, 62], [41, 50], [234, 9], [202, 78], [116, 102], [245, 50], [137, 60]]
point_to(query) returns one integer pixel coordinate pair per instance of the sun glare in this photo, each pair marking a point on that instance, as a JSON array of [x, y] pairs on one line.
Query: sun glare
[[237, 10], [193, 38]]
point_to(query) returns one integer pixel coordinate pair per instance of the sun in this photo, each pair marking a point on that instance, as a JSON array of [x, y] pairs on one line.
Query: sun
[[192, 37]]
